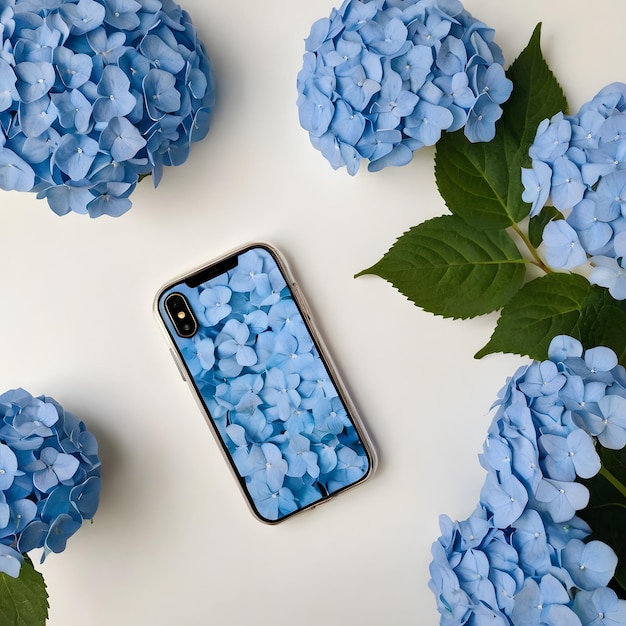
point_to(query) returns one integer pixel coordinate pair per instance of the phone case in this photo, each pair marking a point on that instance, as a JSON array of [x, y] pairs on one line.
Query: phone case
[[243, 337]]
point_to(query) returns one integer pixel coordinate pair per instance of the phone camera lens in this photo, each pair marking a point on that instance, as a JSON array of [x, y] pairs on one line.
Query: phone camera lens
[[181, 315]]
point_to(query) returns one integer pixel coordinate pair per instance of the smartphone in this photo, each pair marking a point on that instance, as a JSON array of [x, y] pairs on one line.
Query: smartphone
[[243, 338]]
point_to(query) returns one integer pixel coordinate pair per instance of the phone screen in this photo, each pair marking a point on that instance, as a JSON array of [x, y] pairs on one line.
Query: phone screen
[[258, 369]]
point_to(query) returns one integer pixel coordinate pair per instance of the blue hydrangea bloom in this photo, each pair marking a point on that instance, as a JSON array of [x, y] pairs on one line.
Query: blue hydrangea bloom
[[95, 95], [383, 78], [523, 556], [579, 167], [49, 476]]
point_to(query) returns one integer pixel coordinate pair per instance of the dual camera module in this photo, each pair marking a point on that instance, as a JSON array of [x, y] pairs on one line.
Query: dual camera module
[[182, 316]]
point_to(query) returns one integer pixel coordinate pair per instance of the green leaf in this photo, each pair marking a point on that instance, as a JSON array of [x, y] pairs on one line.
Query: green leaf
[[544, 307], [481, 182], [606, 511], [23, 600], [559, 304], [449, 268], [603, 322]]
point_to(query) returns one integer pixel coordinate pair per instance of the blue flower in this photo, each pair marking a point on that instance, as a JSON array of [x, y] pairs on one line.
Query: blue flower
[[531, 542], [350, 468], [8, 91], [60, 530], [74, 111], [610, 196], [272, 504], [609, 273], [280, 392], [593, 232], [610, 425], [74, 69], [290, 354], [51, 468], [542, 379], [8, 467], [84, 16], [122, 14], [215, 301], [427, 121], [579, 167], [35, 118], [561, 499], [34, 80], [567, 186], [316, 111], [356, 88], [393, 104], [543, 602], [524, 537], [505, 496], [160, 93], [482, 118], [249, 276], [75, 155], [121, 139], [265, 464], [551, 139], [570, 456], [233, 349], [10, 561], [115, 98], [563, 248], [15, 173], [380, 80], [300, 458], [591, 565], [330, 414], [124, 80], [161, 55], [600, 607], [49, 476], [415, 65]]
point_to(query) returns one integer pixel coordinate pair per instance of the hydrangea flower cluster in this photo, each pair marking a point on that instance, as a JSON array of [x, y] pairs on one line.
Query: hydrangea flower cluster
[[523, 557], [95, 95], [268, 392], [383, 78], [49, 476], [579, 166]]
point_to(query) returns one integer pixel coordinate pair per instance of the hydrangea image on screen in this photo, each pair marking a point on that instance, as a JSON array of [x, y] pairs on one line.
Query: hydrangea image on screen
[[263, 381]]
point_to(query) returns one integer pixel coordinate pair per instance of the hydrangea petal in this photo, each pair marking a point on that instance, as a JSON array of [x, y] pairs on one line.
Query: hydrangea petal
[[75, 154], [34, 80], [563, 249], [15, 173], [591, 565], [161, 55], [10, 561], [84, 16], [122, 139], [161, 95]]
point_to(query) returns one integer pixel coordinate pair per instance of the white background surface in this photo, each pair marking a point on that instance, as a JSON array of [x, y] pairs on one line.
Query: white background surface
[[173, 542]]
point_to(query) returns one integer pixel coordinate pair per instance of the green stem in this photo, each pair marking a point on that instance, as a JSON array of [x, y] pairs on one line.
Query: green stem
[[614, 481], [537, 260]]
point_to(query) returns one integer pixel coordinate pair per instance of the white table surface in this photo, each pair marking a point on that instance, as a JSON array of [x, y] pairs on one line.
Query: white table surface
[[173, 542]]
